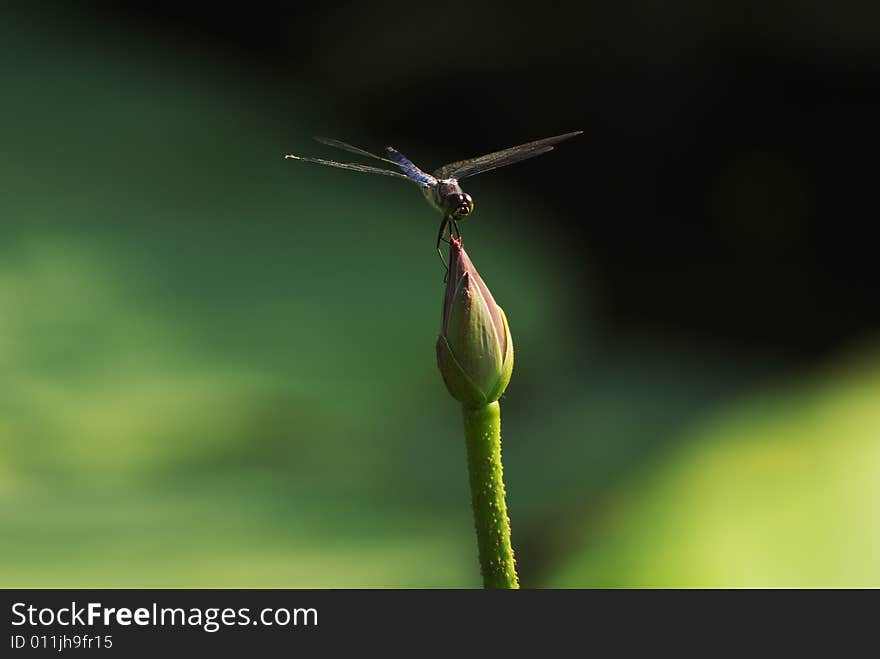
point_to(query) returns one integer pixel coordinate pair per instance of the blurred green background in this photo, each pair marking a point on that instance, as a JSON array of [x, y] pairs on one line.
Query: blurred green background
[[217, 366]]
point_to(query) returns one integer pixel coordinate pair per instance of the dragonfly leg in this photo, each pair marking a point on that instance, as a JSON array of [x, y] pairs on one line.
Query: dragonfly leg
[[457, 231], [443, 225]]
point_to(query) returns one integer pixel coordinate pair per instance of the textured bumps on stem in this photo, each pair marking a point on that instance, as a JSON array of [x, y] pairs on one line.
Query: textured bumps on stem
[[474, 349]]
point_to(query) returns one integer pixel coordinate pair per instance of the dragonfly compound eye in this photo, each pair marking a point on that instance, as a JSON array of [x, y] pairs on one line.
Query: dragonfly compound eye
[[460, 204], [467, 206]]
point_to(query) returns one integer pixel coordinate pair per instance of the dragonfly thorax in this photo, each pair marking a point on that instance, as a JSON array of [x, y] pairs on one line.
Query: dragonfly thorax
[[448, 197]]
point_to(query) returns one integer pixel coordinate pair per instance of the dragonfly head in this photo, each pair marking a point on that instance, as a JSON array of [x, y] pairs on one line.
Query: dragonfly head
[[459, 205]]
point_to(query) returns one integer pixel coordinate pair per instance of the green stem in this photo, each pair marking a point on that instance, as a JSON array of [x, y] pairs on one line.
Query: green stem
[[482, 430]]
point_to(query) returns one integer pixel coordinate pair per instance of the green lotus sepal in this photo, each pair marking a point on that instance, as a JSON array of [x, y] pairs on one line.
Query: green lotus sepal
[[475, 348]]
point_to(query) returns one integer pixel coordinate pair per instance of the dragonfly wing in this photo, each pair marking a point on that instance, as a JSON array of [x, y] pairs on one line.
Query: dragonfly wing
[[514, 154], [408, 169], [338, 144], [496, 163], [367, 169]]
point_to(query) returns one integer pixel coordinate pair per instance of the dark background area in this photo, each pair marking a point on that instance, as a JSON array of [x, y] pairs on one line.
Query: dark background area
[[723, 189]]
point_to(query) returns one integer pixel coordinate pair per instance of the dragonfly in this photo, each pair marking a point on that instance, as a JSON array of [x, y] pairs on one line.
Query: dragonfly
[[442, 188]]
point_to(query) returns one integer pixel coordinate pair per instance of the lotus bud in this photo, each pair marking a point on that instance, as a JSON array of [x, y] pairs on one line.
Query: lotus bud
[[474, 349]]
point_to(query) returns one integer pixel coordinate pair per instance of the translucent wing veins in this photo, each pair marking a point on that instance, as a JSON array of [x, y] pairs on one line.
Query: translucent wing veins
[[408, 170], [355, 167], [514, 154], [339, 144]]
